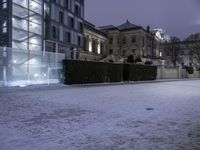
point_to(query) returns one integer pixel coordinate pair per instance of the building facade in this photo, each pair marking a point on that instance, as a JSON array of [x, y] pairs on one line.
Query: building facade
[[43, 25], [129, 39], [95, 43]]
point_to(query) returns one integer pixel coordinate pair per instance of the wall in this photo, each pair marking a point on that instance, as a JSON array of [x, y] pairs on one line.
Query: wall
[[175, 73], [196, 74]]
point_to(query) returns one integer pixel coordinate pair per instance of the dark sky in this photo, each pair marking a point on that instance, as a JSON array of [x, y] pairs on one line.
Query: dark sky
[[178, 17]]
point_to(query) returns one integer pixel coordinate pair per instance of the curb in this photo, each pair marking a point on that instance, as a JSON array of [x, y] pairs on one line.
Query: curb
[[129, 82], [63, 86]]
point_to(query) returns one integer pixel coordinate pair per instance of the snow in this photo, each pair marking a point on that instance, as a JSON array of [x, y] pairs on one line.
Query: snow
[[162, 115]]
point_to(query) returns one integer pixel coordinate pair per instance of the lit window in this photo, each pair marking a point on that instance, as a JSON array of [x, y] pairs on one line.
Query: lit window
[[4, 27], [4, 23], [4, 4], [161, 54], [4, 30]]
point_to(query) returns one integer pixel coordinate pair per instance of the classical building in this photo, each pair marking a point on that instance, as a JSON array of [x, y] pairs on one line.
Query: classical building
[[130, 39], [43, 25], [95, 43]]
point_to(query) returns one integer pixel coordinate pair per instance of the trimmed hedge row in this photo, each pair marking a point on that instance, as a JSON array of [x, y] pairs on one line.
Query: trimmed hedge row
[[83, 72], [135, 72]]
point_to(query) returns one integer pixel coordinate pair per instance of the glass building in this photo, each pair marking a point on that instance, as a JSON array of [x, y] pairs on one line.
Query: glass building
[[43, 25], [35, 36]]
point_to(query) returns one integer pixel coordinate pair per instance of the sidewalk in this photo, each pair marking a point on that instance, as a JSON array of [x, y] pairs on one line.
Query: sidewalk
[[63, 86], [131, 82]]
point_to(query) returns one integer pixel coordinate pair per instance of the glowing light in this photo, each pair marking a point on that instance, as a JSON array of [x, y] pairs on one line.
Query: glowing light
[[14, 61], [90, 46], [99, 48], [36, 75]]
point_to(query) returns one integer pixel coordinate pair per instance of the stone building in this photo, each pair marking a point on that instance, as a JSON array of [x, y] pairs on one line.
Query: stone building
[[95, 43], [129, 39]]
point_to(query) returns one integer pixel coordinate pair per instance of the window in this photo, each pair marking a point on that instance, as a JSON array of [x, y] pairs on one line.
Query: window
[[143, 42], [61, 17], [79, 41], [66, 3], [72, 53], [81, 27], [118, 40], [54, 32], [85, 43], [4, 4], [124, 40], [76, 10], [133, 51], [4, 27], [123, 52], [161, 54], [133, 39], [93, 45], [71, 22], [101, 47], [111, 40], [68, 37], [111, 51]]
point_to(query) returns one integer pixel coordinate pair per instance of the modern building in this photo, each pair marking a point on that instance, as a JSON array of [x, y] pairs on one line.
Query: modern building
[[43, 25], [35, 37], [130, 39], [95, 43]]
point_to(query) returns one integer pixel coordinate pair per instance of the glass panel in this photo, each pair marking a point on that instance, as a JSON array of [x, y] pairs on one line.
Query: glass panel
[[23, 3], [27, 24], [30, 67], [35, 6]]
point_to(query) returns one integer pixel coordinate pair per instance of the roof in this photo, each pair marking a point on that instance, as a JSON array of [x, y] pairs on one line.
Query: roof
[[127, 26], [92, 27], [108, 27]]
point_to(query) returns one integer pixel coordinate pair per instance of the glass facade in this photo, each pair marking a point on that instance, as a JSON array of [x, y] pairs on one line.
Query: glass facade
[[27, 24], [39, 34], [20, 67]]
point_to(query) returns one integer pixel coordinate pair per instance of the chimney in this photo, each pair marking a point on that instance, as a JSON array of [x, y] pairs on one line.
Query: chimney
[[148, 29]]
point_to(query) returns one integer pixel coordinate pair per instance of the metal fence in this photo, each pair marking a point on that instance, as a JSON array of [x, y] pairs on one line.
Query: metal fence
[[22, 67]]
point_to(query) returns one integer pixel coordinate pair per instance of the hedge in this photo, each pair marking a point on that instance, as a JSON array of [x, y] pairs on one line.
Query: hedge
[[136, 72], [83, 72]]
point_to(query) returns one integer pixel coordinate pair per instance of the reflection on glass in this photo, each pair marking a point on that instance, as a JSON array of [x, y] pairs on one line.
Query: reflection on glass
[[27, 24]]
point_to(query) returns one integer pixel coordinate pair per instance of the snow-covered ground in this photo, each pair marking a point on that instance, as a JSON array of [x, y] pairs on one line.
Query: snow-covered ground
[[151, 116]]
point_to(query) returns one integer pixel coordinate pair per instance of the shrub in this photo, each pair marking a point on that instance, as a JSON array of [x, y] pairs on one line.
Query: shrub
[[130, 59], [148, 63], [138, 60], [189, 69]]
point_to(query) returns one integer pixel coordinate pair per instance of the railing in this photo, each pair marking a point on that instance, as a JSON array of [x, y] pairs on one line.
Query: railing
[[22, 67]]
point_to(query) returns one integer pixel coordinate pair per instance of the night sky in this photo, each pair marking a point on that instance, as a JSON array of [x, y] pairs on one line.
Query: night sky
[[178, 17]]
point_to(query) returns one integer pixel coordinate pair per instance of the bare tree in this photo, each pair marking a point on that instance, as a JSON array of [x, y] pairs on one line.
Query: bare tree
[[193, 45], [172, 50]]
